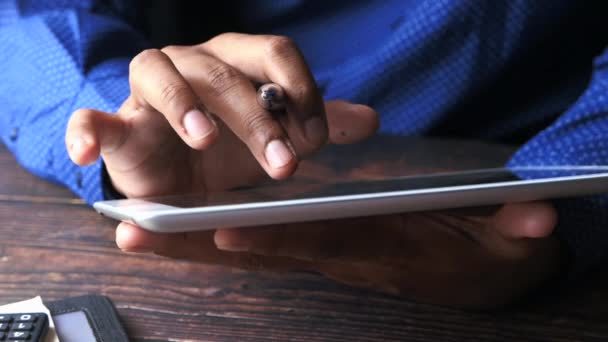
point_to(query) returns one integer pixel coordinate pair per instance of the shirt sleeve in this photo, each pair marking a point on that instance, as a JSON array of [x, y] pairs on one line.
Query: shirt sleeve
[[579, 137], [58, 56]]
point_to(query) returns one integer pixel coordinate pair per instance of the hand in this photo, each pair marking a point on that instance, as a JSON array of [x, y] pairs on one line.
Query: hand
[[475, 258], [192, 123]]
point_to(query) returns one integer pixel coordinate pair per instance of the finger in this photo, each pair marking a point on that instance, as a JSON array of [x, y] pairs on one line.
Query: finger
[[350, 123], [156, 83], [277, 241], [131, 238], [264, 58], [525, 220], [311, 241], [197, 246], [91, 132], [232, 97]]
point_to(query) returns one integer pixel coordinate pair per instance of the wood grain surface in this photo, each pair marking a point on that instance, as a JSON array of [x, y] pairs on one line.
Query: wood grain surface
[[54, 246]]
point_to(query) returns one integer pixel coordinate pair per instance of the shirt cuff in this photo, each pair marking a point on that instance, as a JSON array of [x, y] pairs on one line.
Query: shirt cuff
[[109, 192]]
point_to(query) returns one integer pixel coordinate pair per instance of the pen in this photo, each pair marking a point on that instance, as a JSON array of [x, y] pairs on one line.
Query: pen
[[271, 97]]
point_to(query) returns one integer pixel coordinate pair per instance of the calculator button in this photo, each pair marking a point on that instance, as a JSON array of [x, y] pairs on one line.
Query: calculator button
[[18, 335], [5, 318], [3, 326], [23, 326], [25, 318]]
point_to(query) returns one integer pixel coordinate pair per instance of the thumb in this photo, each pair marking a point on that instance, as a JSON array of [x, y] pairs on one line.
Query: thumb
[[349, 123], [91, 132], [525, 220]]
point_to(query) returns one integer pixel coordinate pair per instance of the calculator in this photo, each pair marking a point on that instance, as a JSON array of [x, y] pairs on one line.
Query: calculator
[[31, 327]]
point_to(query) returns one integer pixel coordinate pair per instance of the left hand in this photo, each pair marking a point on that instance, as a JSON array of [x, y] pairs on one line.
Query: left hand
[[480, 258]]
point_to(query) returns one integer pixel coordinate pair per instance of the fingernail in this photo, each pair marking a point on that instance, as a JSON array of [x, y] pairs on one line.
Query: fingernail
[[198, 125], [125, 239], [232, 247], [138, 251], [227, 242], [278, 154], [78, 144], [315, 130]]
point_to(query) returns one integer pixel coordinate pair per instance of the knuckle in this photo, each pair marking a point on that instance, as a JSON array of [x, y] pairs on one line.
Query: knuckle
[[171, 50], [175, 94], [144, 58], [205, 47], [281, 47], [301, 91], [256, 124], [222, 36], [222, 78], [218, 38]]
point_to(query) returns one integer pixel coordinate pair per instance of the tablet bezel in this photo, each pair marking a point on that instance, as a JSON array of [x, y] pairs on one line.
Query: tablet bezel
[[163, 218]]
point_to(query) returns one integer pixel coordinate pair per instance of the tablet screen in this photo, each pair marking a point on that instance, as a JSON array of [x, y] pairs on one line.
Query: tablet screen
[[383, 164], [307, 190], [393, 176]]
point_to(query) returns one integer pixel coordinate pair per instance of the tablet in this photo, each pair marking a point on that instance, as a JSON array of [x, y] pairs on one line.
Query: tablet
[[309, 202], [361, 181]]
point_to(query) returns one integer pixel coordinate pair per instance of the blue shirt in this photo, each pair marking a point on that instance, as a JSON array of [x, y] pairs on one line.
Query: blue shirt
[[508, 71]]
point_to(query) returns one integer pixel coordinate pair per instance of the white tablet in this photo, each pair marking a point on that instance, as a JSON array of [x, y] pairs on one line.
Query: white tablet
[[308, 202], [382, 176]]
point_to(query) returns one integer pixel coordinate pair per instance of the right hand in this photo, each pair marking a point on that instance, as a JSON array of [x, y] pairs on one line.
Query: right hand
[[192, 124]]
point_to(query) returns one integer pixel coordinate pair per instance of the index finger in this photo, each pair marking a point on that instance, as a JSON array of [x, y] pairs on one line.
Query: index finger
[[156, 83], [264, 58]]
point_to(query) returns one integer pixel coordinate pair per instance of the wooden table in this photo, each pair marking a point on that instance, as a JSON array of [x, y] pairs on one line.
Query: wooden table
[[54, 246]]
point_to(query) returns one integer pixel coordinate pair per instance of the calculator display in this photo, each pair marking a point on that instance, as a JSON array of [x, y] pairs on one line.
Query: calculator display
[[73, 327]]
